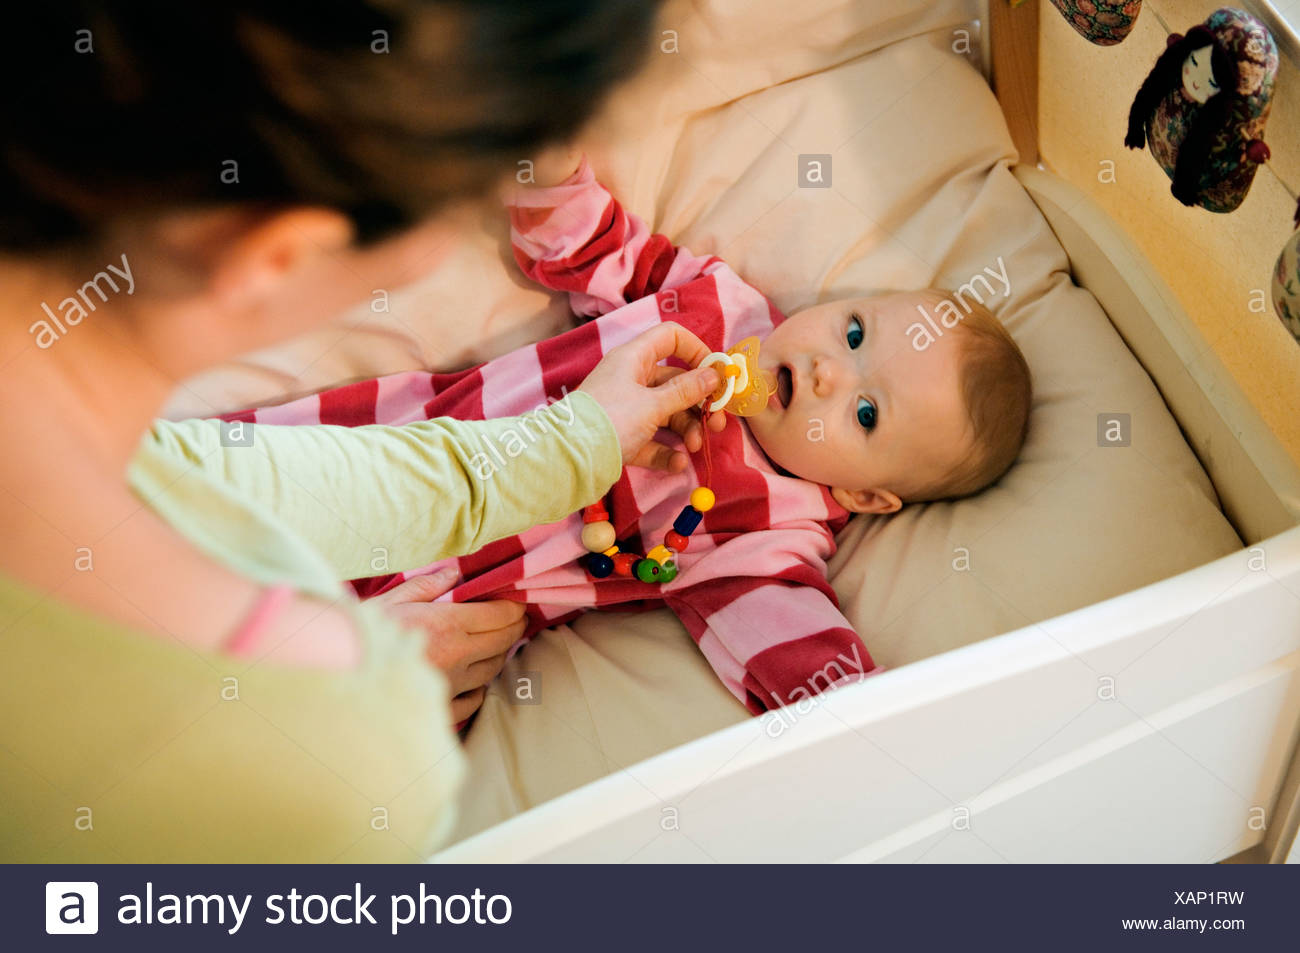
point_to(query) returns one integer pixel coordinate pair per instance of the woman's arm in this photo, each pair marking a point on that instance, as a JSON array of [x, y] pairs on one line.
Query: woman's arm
[[381, 499]]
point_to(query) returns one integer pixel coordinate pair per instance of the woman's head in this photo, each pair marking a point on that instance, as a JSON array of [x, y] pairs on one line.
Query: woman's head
[[383, 109], [225, 140]]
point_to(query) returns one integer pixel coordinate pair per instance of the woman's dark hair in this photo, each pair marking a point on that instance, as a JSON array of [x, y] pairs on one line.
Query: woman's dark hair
[[383, 109], [1209, 118]]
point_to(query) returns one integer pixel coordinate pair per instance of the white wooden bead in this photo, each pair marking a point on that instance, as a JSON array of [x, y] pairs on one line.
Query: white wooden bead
[[598, 537]]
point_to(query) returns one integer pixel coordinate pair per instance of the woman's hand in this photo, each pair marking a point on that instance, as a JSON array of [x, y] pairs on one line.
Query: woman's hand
[[640, 395], [467, 640]]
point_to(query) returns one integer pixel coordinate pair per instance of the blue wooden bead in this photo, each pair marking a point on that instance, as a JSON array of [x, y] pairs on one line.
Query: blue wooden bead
[[687, 520], [600, 565]]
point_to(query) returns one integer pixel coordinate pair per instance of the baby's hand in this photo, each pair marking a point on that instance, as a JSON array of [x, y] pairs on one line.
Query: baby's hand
[[556, 164], [640, 395]]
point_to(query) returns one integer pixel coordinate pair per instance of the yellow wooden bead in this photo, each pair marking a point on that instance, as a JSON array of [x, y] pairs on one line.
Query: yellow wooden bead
[[702, 499], [612, 551], [660, 554], [598, 537]]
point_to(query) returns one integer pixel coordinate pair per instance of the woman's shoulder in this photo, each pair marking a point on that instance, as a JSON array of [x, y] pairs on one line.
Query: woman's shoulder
[[144, 576], [113, 714]]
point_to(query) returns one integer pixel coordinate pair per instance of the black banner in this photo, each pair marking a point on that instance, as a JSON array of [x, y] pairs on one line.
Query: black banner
[[648, 907]]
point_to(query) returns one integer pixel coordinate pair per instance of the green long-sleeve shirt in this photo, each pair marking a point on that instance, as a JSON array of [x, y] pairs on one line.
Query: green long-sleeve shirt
[[117, 744]]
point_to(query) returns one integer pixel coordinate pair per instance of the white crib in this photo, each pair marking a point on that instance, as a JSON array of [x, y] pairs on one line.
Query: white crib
[[1187, 750]]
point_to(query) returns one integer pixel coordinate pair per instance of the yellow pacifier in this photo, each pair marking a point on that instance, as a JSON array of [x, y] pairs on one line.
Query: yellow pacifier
[[745, 389]]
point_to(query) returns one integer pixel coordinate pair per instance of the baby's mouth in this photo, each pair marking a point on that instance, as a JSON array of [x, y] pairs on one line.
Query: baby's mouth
[[784, 385]]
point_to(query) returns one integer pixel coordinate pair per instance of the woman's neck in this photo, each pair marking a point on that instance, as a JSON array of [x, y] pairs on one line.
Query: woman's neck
[[73, 402], [72, 413]]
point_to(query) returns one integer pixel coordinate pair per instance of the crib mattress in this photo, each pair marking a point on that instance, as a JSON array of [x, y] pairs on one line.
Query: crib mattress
[[706, 145]]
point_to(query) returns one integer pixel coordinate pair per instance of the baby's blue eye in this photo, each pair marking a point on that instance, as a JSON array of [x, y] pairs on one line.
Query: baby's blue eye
[[1194, 63], [1213, 85], [866, 413], [855, 332]]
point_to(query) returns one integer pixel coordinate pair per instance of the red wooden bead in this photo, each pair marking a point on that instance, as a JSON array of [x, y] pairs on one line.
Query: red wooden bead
[[596, 513], [675, 541], [624, 562]]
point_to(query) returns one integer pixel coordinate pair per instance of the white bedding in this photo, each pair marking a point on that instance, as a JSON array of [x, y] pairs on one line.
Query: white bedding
[[704, 145]]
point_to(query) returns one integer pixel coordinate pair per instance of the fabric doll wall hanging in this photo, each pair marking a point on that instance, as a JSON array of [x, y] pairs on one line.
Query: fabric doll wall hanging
[[1204, 106], [1286, 286], [1104, 22]]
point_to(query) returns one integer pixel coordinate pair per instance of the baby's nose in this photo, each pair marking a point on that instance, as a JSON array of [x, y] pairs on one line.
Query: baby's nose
[[826, 373]]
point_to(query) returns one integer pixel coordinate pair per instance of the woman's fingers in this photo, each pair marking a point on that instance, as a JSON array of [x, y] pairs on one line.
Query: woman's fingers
[[467, 641], [471, 682], [465, 704], [640, 396], [485, 616], [670, 339], [685, 390], [662, 373], [482, 638], [657, 456], [476, 674], [484, 670], [469, 687], [420, 588], [487, 644], [461, 634], [686, 425]]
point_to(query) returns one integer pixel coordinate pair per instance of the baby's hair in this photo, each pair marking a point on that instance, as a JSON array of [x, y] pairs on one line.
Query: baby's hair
[[997, 390]]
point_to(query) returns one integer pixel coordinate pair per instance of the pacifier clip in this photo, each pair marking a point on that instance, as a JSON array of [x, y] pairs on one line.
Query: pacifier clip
[[744, 391]]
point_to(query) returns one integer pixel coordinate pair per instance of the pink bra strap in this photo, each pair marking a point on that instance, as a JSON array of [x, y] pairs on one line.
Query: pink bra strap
[[269, 605]]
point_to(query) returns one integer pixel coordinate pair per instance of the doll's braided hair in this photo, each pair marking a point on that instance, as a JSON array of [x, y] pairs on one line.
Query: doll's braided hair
[[1209, 119]]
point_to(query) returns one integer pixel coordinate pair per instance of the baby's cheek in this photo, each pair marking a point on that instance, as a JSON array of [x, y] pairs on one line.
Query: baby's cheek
[[796, 433], [771, 437], [813, 448]]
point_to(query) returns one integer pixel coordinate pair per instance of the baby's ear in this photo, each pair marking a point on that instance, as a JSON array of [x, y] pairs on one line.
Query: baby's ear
[[867, 501]]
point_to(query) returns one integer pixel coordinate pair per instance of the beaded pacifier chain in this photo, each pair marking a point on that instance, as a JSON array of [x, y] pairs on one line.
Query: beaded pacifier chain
[[744, 391]]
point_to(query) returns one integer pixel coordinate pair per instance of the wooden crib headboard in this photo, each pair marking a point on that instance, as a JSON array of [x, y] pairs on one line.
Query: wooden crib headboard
[[1011, 58]]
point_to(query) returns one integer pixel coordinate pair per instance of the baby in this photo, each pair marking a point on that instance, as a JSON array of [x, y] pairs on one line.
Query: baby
[[867, 410], [866, 416]]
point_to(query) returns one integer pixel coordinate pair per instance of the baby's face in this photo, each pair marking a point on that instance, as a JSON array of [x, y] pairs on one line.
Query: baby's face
[[857, 407]]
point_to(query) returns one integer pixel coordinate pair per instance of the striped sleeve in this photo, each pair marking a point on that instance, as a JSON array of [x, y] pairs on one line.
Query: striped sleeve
[[775, 636], [576, 237]]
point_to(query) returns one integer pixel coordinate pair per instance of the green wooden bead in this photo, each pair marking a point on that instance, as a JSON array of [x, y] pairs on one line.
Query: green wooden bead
[[668, 571], [647, 570]]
